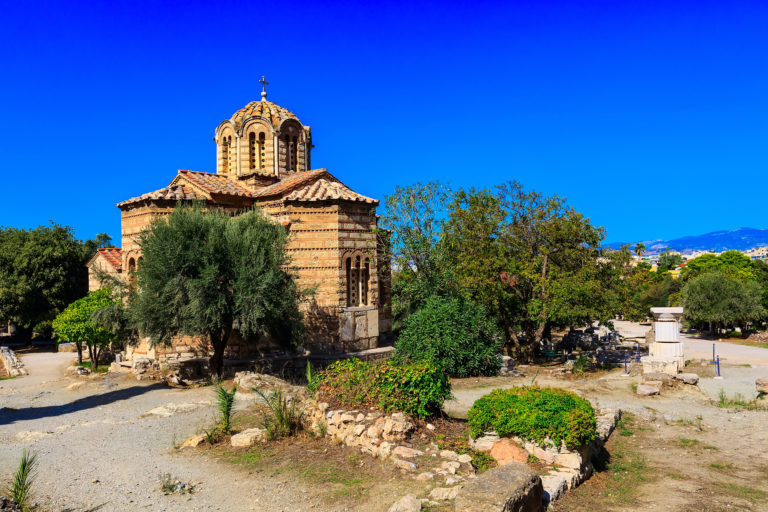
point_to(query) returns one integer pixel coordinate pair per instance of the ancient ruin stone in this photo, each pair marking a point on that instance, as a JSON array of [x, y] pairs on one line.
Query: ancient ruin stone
[[404, 452], [511, 488], [687, 378], [485, 443], [408, 503], [404, 464], [506, 451], [248, 438], [554, 487], [444, 493], [646, 390]]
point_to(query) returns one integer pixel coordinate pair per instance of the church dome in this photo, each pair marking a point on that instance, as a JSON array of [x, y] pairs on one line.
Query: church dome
[[264, 109]]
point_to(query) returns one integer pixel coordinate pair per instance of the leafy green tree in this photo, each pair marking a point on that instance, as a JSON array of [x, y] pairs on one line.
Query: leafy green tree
[[717, 300], [731, 263], [42, 270], [76, 325], [454, 333], [413, 217], [639, 249], [529, 259], [211, 274], [668, 261]]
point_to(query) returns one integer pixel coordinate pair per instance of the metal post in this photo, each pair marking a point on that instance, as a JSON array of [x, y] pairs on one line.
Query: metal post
[[713, 355], [718, 366], [625, 363]]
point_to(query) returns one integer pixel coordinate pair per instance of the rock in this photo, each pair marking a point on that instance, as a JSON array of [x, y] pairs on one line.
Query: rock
[[465, 458], [554, 487], [248, 438], [568, 460], [646, 390], [449, 455], [115, 367], [511, 488], [430, 426], [404, 452], [385, 449], [453, 480], [484, 443], [664, 379], [688, 378], [347, 418], [193, 441], [407, 503], [373, 432], [404, 464], [761, 383], [506, 451], [450, 466], [7, 505], [425, 476], [444, 493], [83, 371], [358, 430]]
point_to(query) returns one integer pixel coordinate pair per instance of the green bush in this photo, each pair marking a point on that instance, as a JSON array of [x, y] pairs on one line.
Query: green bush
[[413, 387], [535, 414], [454, 333]]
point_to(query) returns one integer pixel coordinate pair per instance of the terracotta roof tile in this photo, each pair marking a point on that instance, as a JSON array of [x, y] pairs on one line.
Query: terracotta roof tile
[[290, 183], [169, 193], [113, 255], [324, 189], [215, 183]]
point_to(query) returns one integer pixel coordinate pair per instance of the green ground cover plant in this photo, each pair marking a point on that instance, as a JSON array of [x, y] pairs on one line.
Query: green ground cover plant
[[413, 387], [536, 414]]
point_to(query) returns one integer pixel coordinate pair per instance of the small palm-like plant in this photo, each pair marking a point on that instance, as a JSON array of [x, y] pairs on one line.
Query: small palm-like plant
[[24, 477], [225, 400], [284, 418]]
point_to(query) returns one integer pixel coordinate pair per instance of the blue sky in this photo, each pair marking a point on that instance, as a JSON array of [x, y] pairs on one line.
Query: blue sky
[[652, 118]]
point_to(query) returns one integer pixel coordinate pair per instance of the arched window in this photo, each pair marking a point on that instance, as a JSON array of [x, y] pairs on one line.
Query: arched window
[[226, 153], [131, 266], [364, 274], [252, 149], [262, 151], [348, 265]]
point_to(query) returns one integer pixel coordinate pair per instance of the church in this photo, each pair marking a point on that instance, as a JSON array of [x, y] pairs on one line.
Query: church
[[263, 159]]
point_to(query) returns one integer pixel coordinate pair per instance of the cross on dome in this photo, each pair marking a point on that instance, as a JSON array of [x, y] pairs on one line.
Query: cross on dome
[[264, 85]]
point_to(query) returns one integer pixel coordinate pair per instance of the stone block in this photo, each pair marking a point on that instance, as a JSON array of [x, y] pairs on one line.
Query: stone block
[[651, 365], [761, 384], [361, 326], [506, 451], [485, 443], [568, 460], [449, 455], [688, 378], [404, 465], [347, 330], [372, 322], [408, 503], [248, 438], [403, 452], [444, 493], [514, 488], [646, 390], [554, 487]]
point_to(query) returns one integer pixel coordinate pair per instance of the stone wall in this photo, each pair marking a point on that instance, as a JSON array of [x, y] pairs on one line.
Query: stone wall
[[12, 364]]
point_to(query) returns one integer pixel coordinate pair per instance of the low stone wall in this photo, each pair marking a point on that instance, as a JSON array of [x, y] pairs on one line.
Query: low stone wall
[[13, 365], [574, 466]]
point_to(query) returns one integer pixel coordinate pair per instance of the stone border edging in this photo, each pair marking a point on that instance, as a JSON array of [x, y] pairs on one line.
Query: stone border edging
[[12, 363]]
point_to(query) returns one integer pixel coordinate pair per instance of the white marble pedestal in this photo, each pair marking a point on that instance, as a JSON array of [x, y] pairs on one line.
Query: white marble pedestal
[[665, 354]]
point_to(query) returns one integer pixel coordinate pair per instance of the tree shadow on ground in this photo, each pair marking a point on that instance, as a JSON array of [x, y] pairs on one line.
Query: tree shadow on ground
[[9, 415]]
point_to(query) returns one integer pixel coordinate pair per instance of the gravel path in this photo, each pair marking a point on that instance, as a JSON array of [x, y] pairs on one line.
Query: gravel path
[[99, 450]]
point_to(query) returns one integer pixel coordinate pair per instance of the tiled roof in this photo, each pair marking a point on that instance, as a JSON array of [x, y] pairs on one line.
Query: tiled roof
[[113, 255], [273, 113], [324, 189], [215, 183], [169, 193], [290, 183]]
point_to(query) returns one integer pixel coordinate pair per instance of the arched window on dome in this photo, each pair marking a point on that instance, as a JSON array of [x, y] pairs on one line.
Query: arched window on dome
[[262, 150], [252, 149], [226, 153]]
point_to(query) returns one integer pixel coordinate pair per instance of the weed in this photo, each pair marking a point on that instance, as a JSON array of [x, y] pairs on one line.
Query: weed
[[710, 447], [722, 467], [532, 459], [580, 365], [24, 478], [250, 458], [740, 491], [482, 461], [8, 377], [213, 436], [624, 425], [225, 400], [171, 485], [738, 402], [677, 476], [688, 443], [322, 428], [284, 418]]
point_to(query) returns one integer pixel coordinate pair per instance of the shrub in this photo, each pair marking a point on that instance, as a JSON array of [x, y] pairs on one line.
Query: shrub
[[454, 333], [413, 387], [23, 478], [535, 414], [284, 418], [225, 400]]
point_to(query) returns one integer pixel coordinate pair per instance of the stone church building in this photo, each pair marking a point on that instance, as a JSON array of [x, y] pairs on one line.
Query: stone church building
[[263, 158]]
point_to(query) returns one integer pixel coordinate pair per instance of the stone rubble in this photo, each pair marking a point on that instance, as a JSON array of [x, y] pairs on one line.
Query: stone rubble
[[13, 365], [248, 438], [761, 384]]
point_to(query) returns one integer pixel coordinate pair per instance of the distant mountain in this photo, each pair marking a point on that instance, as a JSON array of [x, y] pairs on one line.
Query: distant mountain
[[740, 239]]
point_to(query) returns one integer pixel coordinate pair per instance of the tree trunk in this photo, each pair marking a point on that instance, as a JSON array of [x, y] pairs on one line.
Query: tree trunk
[[79, 348], [219, 342]]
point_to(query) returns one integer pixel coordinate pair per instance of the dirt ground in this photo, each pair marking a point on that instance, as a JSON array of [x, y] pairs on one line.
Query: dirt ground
[[102, 448]]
